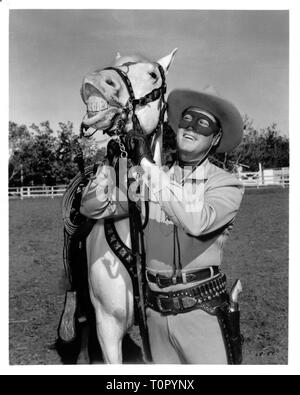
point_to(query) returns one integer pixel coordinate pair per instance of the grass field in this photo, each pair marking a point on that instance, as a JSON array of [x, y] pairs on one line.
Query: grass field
[[257, 253]]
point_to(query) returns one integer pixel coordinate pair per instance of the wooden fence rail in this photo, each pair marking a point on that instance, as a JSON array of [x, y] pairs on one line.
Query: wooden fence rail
[[36, 191], [267, 177]]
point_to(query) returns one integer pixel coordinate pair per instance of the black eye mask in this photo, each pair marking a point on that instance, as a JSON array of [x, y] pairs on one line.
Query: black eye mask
[[200, 123]]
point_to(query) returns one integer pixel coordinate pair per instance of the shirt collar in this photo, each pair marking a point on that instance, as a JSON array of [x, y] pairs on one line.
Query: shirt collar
[[200, 173]]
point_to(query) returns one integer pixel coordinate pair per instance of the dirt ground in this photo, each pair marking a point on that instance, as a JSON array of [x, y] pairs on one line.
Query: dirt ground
[[257, 253]]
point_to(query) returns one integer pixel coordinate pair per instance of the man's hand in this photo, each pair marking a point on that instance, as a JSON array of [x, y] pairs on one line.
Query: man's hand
[[138, 147]]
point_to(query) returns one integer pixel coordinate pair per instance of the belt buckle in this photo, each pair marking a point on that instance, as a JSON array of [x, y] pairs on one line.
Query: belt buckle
[[188, 301], [179, 303], [157, 280], [173, 281]]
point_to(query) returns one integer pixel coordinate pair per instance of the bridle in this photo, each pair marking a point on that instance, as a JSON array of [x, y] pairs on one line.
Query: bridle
[[130, 107]]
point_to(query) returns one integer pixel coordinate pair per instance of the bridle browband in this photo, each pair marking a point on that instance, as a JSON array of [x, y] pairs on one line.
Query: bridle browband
[[133, 102]]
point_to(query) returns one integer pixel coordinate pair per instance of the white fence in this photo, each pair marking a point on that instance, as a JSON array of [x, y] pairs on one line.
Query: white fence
[[267, 177], [36, 191], [262, 178]]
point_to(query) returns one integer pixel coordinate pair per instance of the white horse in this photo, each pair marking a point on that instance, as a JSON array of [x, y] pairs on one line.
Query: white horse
[[106, 94]]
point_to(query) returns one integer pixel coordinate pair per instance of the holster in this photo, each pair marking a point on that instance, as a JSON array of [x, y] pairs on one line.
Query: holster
[[230, 326]]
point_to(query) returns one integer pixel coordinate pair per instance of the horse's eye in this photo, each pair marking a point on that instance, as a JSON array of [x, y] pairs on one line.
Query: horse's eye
[[153, 75], [109, 82]]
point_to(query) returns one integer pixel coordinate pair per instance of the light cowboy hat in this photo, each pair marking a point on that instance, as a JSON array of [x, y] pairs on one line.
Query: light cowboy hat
[[226, 113]]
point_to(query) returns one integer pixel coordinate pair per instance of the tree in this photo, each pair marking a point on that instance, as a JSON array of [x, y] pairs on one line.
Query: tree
[[43, 155], [20, 143], [266, 146], [276, 148], [40, 156], [18, 135], [65, 167]]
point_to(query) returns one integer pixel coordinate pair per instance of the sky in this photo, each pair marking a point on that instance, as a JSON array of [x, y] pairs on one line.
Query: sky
[[243, 54]]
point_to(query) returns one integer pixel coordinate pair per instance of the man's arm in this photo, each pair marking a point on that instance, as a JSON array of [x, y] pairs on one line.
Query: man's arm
[[99, 198], [212, 207]]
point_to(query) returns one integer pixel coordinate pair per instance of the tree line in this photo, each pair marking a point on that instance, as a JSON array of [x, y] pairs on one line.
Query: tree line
[[40, 156]]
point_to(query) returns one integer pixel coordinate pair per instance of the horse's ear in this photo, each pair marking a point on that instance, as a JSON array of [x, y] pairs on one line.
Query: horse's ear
[[167, 60], [118, 55]]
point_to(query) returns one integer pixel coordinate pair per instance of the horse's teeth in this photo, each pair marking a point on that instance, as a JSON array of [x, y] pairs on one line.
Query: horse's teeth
[[96, 104], [103, 105]]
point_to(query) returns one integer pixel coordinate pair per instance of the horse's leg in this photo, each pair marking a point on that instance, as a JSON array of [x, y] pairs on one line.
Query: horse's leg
[[113, 300], [111, 295], [110, 333]]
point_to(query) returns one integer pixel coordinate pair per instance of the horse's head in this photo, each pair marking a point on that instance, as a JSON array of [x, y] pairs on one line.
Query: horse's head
[[113, 94]]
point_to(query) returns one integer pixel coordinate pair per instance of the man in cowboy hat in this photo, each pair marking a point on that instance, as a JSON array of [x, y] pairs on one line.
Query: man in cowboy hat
[[192, 207]]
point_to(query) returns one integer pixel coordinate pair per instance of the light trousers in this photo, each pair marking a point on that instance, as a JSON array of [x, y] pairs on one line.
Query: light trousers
[[188, 338]]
